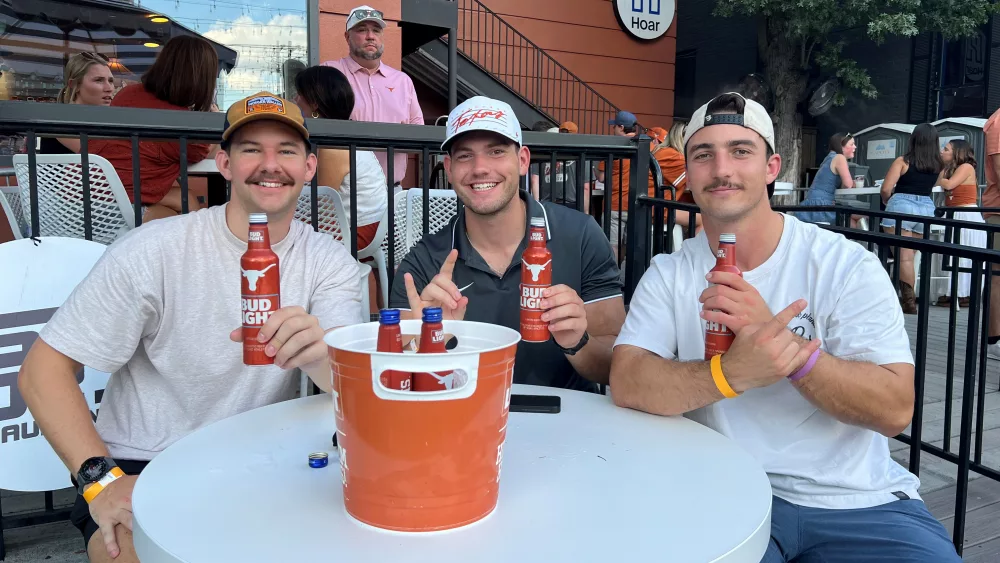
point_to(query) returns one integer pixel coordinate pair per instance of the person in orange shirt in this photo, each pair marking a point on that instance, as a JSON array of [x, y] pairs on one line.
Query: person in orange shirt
[[667, 150], [958, 179], [624, 124], [991, 198], [182, 78]]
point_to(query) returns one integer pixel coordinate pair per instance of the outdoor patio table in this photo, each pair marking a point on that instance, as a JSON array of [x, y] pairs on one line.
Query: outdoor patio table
[[593, 483]]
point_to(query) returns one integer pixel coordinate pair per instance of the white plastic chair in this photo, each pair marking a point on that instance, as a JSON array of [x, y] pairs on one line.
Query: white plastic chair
[[8, 213], [399, 246], [333, 220], [443, 206], [60, 197]]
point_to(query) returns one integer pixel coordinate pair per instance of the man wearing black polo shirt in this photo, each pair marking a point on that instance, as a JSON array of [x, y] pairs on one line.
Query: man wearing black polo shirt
[[472, 267]]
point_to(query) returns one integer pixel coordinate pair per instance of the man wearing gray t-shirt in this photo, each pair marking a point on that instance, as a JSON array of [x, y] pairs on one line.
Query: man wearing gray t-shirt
[[160, 312]]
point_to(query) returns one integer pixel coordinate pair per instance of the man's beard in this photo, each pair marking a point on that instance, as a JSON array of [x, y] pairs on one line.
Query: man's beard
[[361, 53]]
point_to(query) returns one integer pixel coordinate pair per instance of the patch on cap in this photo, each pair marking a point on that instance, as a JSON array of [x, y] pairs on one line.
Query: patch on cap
[[480, 113], [265, 104]]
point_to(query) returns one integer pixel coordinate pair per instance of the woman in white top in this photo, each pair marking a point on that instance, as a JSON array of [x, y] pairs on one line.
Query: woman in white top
[[324, 92]]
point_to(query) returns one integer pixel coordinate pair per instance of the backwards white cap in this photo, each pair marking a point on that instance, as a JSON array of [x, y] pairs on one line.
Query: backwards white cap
[[754, 117], [480, 113]]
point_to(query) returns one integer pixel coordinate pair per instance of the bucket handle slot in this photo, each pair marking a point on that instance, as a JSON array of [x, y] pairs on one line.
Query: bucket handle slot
[[419, 363]]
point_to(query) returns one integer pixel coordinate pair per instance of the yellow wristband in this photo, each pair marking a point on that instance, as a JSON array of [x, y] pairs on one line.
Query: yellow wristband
[[93, 489], [720, 379]]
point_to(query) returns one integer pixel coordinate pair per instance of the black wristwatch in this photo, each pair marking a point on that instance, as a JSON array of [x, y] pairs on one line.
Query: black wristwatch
[[92, 471], [579, 345]]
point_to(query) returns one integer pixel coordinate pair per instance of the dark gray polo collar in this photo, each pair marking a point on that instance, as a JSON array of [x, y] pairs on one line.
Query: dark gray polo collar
[[468, 254]]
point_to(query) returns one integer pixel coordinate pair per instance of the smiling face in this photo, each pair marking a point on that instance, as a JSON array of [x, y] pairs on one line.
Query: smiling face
[[485, 169], [268, 163], [729, 170], [365, 41], [97, 87]]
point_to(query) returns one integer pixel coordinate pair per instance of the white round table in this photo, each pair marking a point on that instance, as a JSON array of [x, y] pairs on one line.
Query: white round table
[[593, 483]]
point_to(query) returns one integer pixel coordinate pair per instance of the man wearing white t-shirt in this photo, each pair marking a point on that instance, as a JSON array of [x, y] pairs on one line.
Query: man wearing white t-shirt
[[813, 391], [160, 311]]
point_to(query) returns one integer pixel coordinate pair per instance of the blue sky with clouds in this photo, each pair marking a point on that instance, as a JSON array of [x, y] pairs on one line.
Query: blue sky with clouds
[[265, 34]]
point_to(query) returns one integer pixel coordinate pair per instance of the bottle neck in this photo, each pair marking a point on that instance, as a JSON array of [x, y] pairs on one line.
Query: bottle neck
[[258, 237], [726, 255], [536, 237]]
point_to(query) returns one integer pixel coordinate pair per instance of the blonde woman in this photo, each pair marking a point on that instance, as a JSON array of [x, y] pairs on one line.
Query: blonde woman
[[669, 154], [87, 80]]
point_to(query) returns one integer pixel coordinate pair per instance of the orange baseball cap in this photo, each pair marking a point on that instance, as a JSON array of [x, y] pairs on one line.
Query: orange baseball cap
[[659, 134], [569, 127], [264, 105]]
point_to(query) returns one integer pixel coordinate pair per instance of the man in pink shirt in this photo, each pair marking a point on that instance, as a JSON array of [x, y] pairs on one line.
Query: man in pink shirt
[[381, 93], [991, 198]]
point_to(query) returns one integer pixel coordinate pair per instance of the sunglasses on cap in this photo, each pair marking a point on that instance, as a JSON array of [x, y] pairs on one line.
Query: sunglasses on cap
[[365, 14]]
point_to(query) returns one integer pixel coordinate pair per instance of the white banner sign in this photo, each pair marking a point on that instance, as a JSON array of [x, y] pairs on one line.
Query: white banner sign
[[35, 281], [882, 149]]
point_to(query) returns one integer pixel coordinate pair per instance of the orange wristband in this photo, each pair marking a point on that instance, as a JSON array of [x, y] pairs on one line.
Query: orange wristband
[[720, 379], [94, 489]]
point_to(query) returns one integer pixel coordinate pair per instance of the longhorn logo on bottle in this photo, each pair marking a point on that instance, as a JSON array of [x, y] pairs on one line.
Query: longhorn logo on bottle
[[260, 289], [536, 277], [719, 337]]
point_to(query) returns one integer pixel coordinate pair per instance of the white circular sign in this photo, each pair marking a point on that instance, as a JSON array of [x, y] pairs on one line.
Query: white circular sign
[[35, 280], [645, 19]]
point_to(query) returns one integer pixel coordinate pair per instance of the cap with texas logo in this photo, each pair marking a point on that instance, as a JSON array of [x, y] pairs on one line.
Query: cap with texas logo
[[264, 105], [480, 113]]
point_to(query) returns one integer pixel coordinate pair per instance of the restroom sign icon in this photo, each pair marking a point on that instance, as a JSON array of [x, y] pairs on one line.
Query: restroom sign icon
[[644, 19]]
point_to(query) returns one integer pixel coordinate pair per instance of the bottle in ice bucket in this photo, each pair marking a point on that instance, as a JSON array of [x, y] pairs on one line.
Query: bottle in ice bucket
[[718, 337], [536, 277], [260, 288], [390, 339], [432, 342]]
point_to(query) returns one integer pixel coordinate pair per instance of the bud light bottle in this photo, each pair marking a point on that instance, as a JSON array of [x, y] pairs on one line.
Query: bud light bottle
[[432, 342], [718, 337], [536, 277], [390, 339], [260, 288]]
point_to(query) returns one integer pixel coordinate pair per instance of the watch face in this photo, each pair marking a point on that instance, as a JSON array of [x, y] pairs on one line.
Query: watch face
[[93, 469]]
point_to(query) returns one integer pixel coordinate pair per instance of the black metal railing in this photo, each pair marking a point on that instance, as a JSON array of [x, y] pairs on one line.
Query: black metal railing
[[498, 48], [969, 371]]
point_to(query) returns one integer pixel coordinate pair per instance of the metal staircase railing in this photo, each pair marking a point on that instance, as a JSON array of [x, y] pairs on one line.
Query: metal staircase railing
[[524, 67]]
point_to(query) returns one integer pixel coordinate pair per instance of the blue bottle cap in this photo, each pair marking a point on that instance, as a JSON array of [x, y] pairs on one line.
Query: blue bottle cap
[[388, 316], [432, 314]]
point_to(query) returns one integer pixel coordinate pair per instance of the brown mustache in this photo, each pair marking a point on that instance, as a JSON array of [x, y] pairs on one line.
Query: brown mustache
[[722, 183]]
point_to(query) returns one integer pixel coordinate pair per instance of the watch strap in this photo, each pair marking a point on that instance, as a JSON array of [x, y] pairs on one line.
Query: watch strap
[[91, 491], [579, 345]]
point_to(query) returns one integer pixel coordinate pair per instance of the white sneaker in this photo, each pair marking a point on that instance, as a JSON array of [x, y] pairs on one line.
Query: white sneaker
[[993, 351]]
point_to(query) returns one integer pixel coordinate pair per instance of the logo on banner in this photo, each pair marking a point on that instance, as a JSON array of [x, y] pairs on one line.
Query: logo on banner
[[644, 19]]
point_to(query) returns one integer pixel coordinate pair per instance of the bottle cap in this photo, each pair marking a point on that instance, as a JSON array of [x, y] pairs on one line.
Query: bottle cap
[[258, 218], [538, 222], [432, 314], [727, 237], [388, 316]]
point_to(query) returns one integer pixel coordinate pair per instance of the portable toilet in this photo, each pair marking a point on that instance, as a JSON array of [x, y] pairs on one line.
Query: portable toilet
[[879, 145], [969, 129]]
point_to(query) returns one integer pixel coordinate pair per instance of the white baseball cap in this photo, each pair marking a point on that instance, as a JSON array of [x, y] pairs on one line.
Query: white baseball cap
[[754, 117], [365, 14], [480, 113]]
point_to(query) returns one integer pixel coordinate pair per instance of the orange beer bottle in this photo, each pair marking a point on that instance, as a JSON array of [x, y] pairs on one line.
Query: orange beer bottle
[[260, 289], [432, 342], [718, 337], [390, 339], [536, 277]]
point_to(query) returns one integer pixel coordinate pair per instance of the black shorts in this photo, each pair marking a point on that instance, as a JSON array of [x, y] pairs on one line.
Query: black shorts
[[80, 516]]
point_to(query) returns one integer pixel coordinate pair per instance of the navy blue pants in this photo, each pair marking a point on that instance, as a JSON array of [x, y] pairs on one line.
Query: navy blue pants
[[903, 531]]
